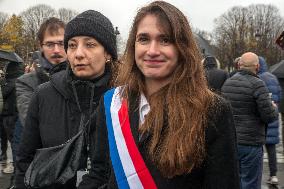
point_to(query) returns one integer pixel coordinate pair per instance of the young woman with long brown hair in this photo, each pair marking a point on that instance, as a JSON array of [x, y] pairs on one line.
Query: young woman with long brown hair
[[162, 127]]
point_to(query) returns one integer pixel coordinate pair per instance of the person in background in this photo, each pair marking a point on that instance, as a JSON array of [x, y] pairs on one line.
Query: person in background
[[236, 65], [162, 127], [215, 76], [10, 113], [56, 106], [252, 110], [3, 136], [50, 59], [272, 134], [3, 156], [281, 110]]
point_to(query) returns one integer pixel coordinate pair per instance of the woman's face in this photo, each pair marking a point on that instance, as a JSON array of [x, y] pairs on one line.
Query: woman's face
[[155, 53], [87, 57]]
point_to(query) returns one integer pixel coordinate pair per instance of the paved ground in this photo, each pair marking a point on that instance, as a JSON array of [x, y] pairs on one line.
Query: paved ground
[[5, 178], [280, 175]]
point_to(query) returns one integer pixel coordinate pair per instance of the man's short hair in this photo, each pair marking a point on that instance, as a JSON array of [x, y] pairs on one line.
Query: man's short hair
[[52, 26]]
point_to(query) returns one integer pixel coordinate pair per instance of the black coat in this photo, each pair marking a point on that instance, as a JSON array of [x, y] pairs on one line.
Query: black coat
[[281, 105], [27, 84], [14, 70], [252, 107], [53, 116], [219, 169], [215, 77]]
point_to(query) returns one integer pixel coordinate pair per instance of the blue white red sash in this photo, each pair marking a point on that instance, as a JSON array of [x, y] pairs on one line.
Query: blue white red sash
[[129, 167]]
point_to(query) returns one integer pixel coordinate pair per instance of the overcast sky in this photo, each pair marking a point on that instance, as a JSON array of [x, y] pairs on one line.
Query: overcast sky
[[200, 13]]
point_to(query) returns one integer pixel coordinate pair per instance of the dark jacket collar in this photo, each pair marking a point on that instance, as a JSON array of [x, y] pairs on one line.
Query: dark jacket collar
[[44, 75], [63, 81], [98, 82], [45, 64], [246, 72]]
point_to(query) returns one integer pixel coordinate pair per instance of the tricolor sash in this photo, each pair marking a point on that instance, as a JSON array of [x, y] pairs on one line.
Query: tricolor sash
[[129, 167]]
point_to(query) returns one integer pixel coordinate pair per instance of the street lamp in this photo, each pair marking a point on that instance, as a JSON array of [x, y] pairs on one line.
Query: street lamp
[[116, 32], [257, 36]]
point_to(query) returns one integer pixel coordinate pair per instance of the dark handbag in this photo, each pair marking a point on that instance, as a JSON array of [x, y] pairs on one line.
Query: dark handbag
[[57, 165]]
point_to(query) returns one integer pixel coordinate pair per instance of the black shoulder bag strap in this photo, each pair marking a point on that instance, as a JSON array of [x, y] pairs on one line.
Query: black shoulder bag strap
[[88, 122]]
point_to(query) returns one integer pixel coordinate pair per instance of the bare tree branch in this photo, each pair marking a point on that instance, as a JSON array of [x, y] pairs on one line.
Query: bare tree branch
[[66, 14], [252, 28]]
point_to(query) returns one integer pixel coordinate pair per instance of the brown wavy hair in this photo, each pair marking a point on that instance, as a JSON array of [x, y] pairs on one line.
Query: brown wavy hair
[[178, 116]]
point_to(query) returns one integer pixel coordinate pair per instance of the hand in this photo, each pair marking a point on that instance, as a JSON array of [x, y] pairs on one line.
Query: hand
[[29, 68]]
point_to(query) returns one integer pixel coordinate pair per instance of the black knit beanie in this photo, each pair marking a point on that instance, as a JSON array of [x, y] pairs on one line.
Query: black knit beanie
[[93, 24]]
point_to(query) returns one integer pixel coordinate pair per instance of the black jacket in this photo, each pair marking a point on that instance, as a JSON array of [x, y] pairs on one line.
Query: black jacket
[[252, 107], [215, 77], [14, 70], [27, 84], [219, 170], [281, 105], [54, 115]]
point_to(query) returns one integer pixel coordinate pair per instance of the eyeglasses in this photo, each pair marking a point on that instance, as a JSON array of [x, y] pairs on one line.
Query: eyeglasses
[[51, 45]]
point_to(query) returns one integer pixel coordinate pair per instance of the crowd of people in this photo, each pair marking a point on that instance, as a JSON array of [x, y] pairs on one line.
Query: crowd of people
[[159, 116]]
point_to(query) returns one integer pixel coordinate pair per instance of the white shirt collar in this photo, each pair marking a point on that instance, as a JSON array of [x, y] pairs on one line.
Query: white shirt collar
[[144, 108]]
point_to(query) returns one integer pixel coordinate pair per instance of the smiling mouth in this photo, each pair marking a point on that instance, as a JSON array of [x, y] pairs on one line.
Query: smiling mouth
[[154, 61]]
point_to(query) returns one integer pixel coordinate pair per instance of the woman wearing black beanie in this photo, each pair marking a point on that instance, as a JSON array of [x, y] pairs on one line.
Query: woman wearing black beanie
[[56, 107]]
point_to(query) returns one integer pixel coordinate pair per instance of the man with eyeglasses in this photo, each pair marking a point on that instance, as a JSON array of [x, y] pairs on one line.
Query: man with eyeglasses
[[50, 59]]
